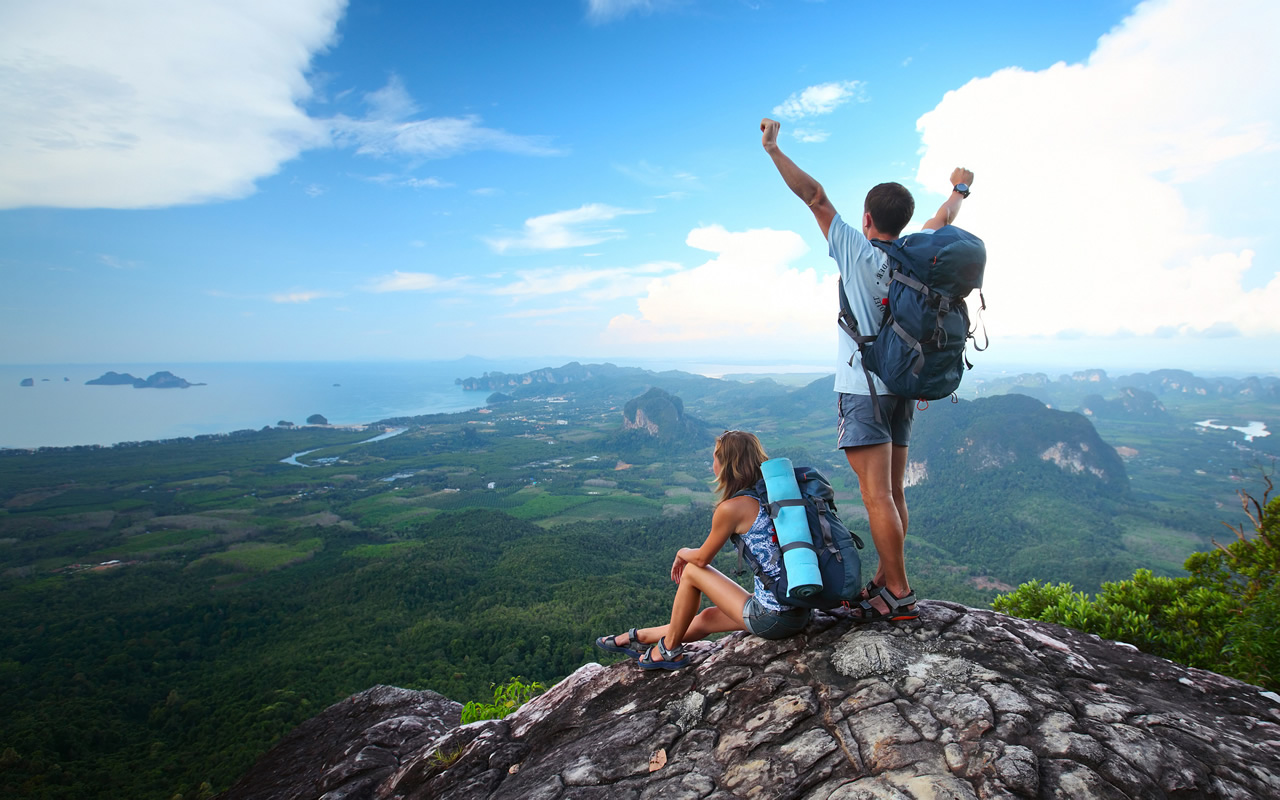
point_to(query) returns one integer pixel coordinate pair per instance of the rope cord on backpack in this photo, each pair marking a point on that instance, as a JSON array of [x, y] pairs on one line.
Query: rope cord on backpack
[[982, 306]]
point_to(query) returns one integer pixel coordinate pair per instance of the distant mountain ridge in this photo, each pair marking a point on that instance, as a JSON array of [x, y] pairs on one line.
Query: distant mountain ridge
[[1070, 390], [573, 372]]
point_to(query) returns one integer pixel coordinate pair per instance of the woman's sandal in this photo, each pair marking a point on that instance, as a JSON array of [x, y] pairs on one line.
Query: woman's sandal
[[668, 657], [610, 644], [900, 609]]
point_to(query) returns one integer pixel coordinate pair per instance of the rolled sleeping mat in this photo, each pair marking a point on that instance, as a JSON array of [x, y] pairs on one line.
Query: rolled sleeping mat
[[792, 526]]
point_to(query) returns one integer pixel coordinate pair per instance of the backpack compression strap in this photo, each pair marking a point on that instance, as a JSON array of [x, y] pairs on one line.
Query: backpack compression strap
[[828, 544]]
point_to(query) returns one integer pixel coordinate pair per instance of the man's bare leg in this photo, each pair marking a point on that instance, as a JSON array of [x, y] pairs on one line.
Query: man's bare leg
[[880, 469]]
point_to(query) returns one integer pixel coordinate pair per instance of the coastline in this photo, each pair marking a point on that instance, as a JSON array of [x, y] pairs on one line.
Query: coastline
[[64, 412]]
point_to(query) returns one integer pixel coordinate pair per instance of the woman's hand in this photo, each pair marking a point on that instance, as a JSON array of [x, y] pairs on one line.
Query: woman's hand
[[677, 567]]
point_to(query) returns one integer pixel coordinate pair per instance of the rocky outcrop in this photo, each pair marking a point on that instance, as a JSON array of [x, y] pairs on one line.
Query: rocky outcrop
[[158, 380], [659, 413], [1129, 403], [351, 748], [1008, 432], [960, 704]]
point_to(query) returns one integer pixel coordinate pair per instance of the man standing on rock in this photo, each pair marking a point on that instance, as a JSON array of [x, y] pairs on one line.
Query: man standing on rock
[[875, 444]]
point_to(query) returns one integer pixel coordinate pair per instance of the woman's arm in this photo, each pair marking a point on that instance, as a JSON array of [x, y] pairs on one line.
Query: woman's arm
[[731, 516]]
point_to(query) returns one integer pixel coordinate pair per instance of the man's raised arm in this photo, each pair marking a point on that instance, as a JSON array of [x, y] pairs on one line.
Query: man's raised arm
[[798, 181], [948, 211]]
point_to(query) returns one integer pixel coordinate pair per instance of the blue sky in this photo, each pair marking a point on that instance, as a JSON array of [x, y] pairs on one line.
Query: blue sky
[[313, 179]]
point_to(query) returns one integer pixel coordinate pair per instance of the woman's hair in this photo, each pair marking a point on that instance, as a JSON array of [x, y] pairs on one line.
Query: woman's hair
[[740, 455]]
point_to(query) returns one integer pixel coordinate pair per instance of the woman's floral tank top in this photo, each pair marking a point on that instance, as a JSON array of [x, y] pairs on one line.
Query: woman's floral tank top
[[761, 540]]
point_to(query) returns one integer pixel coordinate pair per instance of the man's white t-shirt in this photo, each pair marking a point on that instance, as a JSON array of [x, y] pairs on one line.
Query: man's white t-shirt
[[864, 268]]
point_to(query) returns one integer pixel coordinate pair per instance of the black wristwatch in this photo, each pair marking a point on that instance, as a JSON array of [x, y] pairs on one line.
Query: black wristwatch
[[962, 188]]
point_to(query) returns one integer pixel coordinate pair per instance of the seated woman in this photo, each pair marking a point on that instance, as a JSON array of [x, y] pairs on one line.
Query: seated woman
[[736, 463]]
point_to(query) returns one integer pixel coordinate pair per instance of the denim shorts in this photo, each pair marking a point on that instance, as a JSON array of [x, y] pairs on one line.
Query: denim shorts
[[773, 624], [857, 420]]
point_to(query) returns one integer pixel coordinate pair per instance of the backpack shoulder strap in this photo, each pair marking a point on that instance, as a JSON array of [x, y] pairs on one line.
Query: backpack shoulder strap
[[849, 324]]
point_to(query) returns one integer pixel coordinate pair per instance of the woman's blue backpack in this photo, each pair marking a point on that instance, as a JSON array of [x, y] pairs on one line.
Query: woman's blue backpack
[[835, 545]]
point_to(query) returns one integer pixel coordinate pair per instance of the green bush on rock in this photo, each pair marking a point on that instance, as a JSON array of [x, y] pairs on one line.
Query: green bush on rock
[[506, 699]]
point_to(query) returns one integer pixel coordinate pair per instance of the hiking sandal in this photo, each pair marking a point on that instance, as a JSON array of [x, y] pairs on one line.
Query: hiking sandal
[[901, 609], [610, 644], [869, 591], [668, 661]]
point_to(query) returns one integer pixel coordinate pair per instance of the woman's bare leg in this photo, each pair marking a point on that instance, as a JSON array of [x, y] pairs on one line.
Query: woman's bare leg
[[728, 597], [687, 625], [710, 620]]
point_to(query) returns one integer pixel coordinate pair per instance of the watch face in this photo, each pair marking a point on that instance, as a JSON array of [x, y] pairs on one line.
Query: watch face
[[962, 187]]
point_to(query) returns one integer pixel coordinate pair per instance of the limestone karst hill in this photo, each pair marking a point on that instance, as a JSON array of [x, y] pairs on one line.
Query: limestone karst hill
[[961, 704]]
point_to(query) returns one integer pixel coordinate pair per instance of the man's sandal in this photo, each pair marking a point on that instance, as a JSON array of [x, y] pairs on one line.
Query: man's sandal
[[610, 644], [869, 591], [901, 609], [668, 657]]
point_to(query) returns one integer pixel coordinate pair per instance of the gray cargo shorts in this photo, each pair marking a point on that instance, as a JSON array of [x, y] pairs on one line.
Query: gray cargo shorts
[[857, 420]]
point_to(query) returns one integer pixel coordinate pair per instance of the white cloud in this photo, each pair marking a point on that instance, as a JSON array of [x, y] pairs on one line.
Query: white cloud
[[599, 11], [131, 104], [399, 281], [301, 296], [428, 183], [538, 313], [577, 227], [1088, 176], [118, 263], [810, 134], [820, 99], [595, 285], [387, 130], [748, 295], [673, 181]]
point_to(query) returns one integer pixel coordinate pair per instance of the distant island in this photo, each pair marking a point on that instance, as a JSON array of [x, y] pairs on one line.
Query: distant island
[[28, 382], [159, 380]]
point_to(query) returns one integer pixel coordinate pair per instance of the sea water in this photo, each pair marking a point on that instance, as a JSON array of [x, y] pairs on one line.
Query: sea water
[[60, 410]]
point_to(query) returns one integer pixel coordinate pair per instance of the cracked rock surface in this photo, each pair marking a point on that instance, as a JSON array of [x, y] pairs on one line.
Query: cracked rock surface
[[962, 703]]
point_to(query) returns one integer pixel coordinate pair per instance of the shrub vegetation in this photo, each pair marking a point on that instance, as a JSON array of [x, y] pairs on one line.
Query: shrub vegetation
[[1221, 616]]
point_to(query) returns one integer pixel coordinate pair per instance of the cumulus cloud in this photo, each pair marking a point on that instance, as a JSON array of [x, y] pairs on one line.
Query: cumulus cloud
[[820, 99], [388, 130], [399, 281], [131, 104], [577, 227], [1089, 177], [747, 294]]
